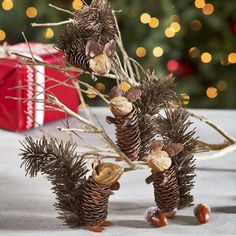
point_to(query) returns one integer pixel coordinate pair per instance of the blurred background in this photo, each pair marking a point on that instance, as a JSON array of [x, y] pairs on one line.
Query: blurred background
[[193, 39]]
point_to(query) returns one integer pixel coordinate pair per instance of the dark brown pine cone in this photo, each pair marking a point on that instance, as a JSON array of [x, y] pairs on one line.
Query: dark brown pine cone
[[166, 190], [94, 203], [127, 133]]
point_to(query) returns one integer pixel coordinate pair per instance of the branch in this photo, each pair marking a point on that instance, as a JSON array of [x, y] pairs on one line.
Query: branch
[[61, 9], [218, 154], [52, 24], [214, 126]]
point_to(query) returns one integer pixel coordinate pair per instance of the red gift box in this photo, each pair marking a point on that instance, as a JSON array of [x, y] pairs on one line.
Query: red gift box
[[24, 81]]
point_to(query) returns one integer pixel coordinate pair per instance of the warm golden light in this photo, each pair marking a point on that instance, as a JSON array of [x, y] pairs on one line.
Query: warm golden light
[[199, 3], [157, 52], [100, 87], [145, 18], [7, 5], [222, 85], [154, 22], [206, 57], [125, 86], [48, 33], [194, 52], [2, 35], [175, 26], [232, 57], [169, 32], [185, 98], [208, 9], [31, 12], [141, 52], [91, 93], [77, 4], [196, 25], [211, 92]]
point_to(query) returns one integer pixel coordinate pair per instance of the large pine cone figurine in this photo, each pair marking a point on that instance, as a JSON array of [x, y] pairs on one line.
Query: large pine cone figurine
[[80, 200], [172, 162], [126, 122], [89, 41]]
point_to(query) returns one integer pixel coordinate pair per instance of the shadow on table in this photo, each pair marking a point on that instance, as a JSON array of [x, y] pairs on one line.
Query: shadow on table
[[224, 209], [29, 223], [184, 220]]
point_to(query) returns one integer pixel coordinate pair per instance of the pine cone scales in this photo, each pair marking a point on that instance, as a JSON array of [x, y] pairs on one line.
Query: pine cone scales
[[128, 134], [166, 190], [94, 203]]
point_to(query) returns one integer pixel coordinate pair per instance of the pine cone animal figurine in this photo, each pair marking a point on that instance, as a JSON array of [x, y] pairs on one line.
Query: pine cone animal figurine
[[163, 177], [89, 41], [126, 121], [81, 200]]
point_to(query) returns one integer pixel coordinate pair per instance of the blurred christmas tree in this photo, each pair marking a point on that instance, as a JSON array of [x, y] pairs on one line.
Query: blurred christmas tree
[[194, 40]]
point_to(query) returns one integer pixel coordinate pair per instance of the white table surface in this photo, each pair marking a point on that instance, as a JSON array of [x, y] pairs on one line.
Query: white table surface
[[26, 205]]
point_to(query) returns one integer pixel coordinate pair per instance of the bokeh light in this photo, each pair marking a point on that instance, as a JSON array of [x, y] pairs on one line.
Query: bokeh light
[[222, 85], [157, 51], [211, 92], [48, 33], [7, 5], [169, 32], [141, 52], [100, 87], [232, 57], [208, 9], [185, 98], [31, 12], [196, 25], [199, 3], [154, 22], [145, 18], [175, 26], [77, 4], [2, 35], [172, 65], [194, 52], [206, 57], [91, 93]]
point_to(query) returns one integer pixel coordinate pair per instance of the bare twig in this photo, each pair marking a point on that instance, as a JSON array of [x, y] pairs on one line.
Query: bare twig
[[61, 9], [214, 126], [52, 24]]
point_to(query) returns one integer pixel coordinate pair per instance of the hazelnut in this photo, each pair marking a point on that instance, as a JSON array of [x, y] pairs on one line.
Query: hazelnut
[[120, 106], [115, 92], [202, 213], [159, 161]]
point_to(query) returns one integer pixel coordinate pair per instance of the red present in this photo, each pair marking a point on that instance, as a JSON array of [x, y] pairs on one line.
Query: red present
[[28, 82]]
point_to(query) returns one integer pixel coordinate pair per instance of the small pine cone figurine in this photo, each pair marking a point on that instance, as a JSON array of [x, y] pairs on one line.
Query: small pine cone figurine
[[163, 177], [81, 200], [126, 121], [88, 42]]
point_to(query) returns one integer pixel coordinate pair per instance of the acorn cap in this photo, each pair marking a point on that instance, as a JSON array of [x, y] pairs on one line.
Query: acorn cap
[[107, 173], [120, 106], [159, 161]]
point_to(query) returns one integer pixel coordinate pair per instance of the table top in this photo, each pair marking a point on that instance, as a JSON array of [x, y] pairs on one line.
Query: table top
[[26, 204]]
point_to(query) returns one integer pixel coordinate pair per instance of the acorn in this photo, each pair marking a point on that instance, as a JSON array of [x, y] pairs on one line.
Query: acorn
[[120, 106], [116, 91], [154, 217], [202, 212]]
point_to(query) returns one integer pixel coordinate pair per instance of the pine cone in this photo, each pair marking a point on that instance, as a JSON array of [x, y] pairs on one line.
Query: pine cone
[[155, 94], [166, 190], [127, 129], [93, 30], [94, 203], [174, 128]]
